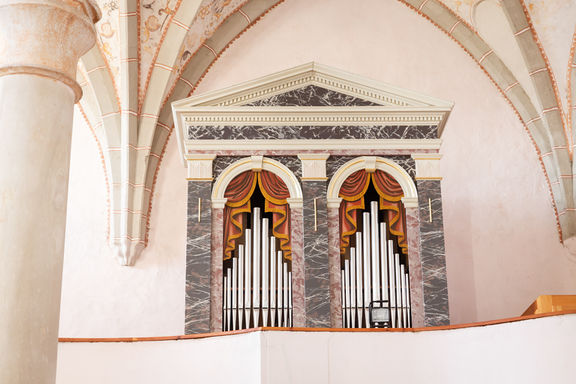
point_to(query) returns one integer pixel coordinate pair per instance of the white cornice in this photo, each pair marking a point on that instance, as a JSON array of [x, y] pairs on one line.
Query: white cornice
[[227, 107], [308, 145], [289, 116]]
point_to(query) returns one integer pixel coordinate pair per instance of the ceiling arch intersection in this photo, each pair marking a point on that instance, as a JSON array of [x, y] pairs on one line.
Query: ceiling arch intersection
[[134, 123]]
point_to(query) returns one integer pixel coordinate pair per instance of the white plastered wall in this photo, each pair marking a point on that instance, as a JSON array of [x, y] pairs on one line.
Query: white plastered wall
[[100, 298], [501, 240]]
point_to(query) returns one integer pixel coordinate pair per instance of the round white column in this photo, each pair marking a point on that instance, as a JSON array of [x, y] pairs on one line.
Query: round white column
[[41, 42]]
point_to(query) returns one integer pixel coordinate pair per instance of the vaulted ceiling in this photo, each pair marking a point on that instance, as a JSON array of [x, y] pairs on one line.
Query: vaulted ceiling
[[153, 52]]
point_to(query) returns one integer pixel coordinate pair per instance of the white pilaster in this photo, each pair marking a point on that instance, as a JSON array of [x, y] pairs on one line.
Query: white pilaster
[[314, 165], [427, 166]]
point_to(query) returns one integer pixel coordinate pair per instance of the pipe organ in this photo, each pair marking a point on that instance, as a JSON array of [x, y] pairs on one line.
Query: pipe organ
[[373, 272], [257, 282]]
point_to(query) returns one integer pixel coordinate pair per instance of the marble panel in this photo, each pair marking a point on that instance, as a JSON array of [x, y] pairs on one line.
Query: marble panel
[[433, 258], [226, 132], [415, 267], [312, 96], [317, 270], [298, 268], [216, 276], [334, 255], [198, 255]]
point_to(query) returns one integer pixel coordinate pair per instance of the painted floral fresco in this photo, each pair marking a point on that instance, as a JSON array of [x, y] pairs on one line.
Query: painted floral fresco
[[210, 15], [108, 36], [155, 16]]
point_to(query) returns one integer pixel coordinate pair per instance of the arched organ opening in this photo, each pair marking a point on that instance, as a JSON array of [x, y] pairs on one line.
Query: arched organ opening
[[373, 248], [257, 267]]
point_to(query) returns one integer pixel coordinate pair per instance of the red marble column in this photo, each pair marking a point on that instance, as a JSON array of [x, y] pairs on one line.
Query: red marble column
[[298, 294], [334, 259], [415, 265], [216, 270]]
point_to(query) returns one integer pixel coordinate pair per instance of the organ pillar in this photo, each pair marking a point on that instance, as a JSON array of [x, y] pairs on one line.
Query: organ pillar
[[41, 42], [315, 237], [200, 270], [432, 252]]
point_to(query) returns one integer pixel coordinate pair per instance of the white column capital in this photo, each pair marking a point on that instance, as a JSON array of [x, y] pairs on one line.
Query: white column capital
[[410, 202], [427, 166], [219, 203], [56, 33], [334, 202], [199, 167], [295, 202], [314, 165]]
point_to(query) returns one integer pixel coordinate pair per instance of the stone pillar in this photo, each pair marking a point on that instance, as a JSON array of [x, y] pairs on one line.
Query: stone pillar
[[433, 255], [199, 244], [316, 260], [414, 262], [216, 266], [298, 266], [334, 254], [40, 44]]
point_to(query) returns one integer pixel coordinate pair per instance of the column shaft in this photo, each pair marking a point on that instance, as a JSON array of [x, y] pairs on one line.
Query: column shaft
[[433, 255], [198, 257], [316, 260], [41, 44]]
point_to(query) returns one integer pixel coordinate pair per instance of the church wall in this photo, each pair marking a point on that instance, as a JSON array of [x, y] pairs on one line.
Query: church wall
[[502, 244], [100, 298]]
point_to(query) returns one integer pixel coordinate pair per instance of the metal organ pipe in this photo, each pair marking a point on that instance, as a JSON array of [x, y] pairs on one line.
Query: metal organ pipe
[[273, 284], [265, 272], [372, 272], [375, 260], [257, 281]]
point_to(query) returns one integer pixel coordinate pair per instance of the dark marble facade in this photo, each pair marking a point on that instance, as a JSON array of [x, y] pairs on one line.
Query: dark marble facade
[[312, 96], [433, 255], [198, 256], [316, 257], [303, 132]]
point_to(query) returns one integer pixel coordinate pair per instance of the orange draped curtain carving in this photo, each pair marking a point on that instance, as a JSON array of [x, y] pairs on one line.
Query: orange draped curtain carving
[[390, 192], [238, 194]]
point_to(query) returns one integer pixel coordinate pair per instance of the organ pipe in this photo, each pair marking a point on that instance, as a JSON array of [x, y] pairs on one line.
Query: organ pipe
[[373, 272], [257, 282]]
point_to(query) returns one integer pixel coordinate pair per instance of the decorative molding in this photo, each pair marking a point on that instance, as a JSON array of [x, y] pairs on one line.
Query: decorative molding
[[400, 107], [44, 72], [314, 165], [314, 74], [311, 145], [288, 116], [382, 164], [370, 164], [218, 203], [257, 163], [334, 202], [427, 166], [410, 202], [267, 164], [200, 167]]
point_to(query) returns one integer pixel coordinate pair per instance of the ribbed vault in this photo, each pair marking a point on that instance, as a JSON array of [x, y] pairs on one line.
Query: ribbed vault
[[162, 51]]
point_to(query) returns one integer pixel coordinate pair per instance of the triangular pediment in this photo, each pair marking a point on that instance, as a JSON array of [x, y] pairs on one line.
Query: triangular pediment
[[312, 96], [319, 84], [309, 107]]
